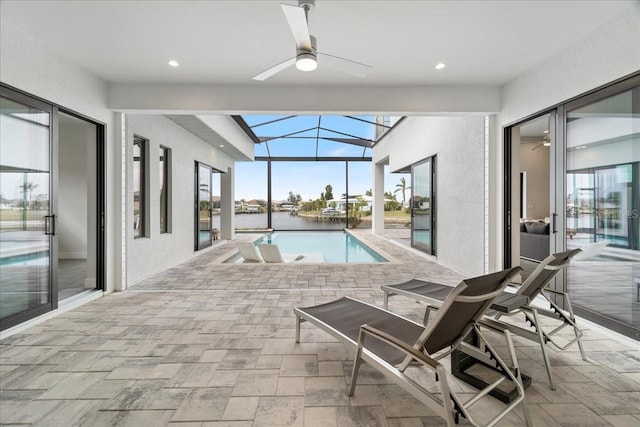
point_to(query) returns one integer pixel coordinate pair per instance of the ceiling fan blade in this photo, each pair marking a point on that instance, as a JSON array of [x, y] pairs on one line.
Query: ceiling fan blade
[[297, 20], [346, 65], [275, 69]]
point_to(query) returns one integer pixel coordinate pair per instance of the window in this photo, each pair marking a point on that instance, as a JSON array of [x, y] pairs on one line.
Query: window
[[203, 211], [139, 190], [164, 174], [423, 205]]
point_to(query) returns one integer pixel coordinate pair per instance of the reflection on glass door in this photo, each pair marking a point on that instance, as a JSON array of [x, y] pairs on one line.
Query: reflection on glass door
[[613, 199], [580, 207], [26, 223], [216, 203], [422, 206], [603, 208], [203, 206]]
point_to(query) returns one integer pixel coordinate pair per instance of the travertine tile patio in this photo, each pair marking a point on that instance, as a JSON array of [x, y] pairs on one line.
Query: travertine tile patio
[[212, 344]]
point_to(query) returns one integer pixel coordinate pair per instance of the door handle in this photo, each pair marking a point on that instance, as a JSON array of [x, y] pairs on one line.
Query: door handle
[[555, 228], [50, 225]]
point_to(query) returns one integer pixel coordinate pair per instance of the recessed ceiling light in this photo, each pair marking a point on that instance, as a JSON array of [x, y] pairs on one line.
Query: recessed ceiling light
[[174, 63], [221, 145], [440, 65], [546, 131], [546, 144]]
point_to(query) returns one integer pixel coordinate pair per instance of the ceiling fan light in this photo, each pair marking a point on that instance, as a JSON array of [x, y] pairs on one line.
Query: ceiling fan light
[[306, 62]]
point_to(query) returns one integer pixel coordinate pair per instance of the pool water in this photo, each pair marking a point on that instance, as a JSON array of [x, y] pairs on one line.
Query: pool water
[[332, 246], [33, 258]]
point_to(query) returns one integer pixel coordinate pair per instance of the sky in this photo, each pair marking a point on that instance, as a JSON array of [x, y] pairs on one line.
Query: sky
[[308, 179]]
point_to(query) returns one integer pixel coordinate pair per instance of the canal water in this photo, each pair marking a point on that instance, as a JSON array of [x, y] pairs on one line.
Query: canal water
[[285, 221]]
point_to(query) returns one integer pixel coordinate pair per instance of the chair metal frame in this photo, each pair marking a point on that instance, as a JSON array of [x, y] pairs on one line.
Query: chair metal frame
[[532, 313], [448, 404]]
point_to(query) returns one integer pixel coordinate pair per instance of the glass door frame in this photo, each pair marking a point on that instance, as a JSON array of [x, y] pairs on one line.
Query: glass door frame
[[211, 170], [558, 173], [511, 212], [53, 109], [614, 88], [198, 245], [432, 248], [52, 285]]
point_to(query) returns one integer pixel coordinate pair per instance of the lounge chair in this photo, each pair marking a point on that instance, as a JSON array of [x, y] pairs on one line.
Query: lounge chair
[[534, 285], [249, 252], [271, 253], [391, 343]]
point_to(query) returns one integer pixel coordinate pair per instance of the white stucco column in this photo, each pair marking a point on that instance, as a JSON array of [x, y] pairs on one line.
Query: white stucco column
[[227, 205], [377, 217], [121, 193]]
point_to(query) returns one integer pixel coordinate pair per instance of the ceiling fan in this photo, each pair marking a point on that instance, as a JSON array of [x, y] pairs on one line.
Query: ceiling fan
[[546, 141], [307, 56]]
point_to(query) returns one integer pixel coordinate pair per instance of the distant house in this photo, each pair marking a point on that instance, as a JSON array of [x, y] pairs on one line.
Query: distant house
[[215, 202], [341, 204]]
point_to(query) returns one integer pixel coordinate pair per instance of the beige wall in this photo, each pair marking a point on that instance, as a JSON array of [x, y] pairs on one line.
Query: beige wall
[[536, 165]]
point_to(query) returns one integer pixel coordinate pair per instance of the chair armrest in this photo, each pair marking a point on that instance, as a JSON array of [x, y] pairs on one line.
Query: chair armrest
[[397, 343]]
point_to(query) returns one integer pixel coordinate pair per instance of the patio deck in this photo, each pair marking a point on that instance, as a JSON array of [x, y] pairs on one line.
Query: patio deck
[[212, 344]]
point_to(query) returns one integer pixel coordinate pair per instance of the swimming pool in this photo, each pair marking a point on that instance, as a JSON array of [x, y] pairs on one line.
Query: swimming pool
[[33, 258], [320, 246]]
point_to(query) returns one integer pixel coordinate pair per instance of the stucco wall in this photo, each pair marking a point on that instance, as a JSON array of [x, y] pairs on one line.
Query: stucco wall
[[458, 143], [157, 252]]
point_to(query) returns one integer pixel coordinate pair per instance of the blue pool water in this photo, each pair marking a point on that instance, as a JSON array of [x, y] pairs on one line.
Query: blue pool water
[[332, 246], [33, 258]]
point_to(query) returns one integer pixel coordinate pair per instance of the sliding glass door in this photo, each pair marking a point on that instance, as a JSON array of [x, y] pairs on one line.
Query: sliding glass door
[[603, 207], [594, 201], [52, 204], [203, 206], [27, 225], [423, 206]]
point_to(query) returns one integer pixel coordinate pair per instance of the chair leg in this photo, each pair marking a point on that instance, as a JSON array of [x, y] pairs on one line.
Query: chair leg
[[516, 367], [543, 348], [386, 300], [356, 364], [297, 329], [575, 327], [509, 374], [427, 311]]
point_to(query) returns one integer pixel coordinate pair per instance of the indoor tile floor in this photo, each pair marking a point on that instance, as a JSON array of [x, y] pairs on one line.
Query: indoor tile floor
[[212, 344]]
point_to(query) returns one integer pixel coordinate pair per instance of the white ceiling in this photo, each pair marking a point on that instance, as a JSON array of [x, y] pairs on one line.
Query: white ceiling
[[228, 42]]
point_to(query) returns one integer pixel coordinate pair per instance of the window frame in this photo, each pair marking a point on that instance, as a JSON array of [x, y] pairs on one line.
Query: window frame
[[165, 184], [142, 143]]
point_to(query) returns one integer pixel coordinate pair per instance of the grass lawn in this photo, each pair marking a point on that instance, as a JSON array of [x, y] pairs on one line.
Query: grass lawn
[[397, 214], [16, 215]]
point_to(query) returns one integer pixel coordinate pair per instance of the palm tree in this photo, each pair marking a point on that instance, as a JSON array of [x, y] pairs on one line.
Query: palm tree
[[403, 188], [328, 192]]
